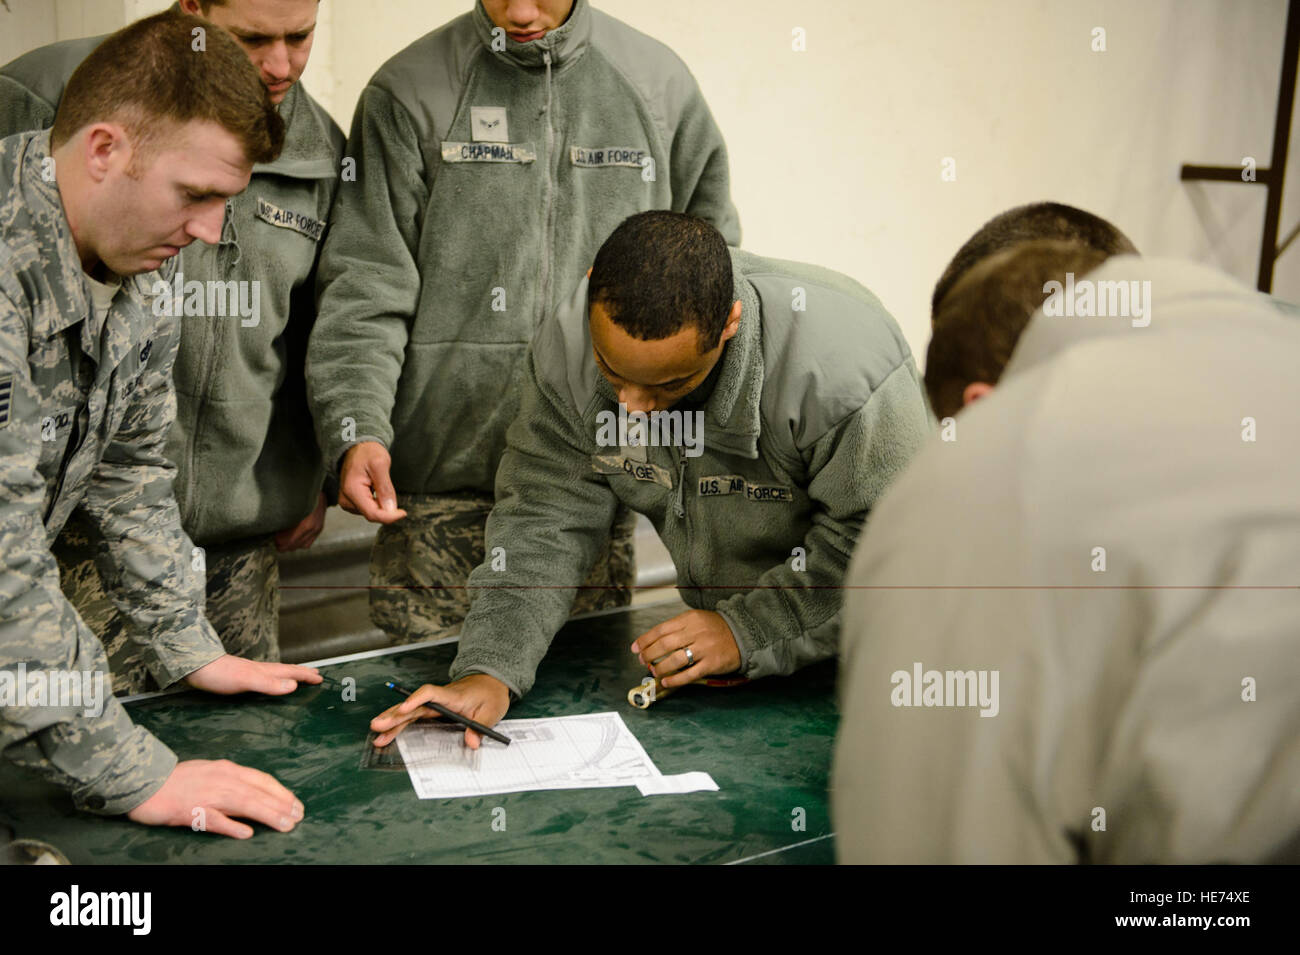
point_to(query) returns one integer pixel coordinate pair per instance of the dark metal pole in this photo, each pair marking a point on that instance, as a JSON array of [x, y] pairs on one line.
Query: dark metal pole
[[1268, 251]]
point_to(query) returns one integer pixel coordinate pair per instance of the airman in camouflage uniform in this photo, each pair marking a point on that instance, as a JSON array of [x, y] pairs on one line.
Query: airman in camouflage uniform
[[86, 398], [242, 440], [84, 412]]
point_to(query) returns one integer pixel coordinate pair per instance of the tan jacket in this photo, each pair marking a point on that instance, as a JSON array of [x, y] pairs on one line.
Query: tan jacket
[[1159, 697]]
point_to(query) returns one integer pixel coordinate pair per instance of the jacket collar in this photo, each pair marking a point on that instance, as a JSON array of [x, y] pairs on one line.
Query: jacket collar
[[1175, 293], [566, 43], [732, 412], [54, 238], [308, 151], [105, 342]]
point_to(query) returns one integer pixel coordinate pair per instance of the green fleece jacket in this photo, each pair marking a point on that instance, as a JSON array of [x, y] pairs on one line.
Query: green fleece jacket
[[813, 413], [486, 180], [243, 440]]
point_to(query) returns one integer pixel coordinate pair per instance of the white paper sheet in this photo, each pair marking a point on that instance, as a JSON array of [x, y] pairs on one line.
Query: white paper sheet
[[591, 751], [681, 783]]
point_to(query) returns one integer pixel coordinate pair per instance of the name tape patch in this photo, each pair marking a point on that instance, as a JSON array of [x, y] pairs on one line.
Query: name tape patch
[[592, 157], [288, 219], [6, 397], [615, 464], [488, 152], [720, 484]]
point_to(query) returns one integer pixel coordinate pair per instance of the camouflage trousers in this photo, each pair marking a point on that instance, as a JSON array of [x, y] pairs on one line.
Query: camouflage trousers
[[420, 564], [243, 601]]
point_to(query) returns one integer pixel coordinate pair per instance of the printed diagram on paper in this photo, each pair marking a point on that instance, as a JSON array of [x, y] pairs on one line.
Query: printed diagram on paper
[[566, 752]]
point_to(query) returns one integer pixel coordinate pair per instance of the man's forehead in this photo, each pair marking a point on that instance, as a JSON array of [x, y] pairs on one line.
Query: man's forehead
[[653, 363], [249, 20], [205, 160]]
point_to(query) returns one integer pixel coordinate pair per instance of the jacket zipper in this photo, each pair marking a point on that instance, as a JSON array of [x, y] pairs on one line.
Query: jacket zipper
[[545, 283], [679, 508], [78, 436], [224, 266]]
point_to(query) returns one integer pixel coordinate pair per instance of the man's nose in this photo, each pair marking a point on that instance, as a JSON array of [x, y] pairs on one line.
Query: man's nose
[[206, 226], [637, 399], [522, 12], [276, 62]]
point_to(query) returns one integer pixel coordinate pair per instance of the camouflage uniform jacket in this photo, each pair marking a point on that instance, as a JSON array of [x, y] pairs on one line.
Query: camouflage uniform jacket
[[84, 413]]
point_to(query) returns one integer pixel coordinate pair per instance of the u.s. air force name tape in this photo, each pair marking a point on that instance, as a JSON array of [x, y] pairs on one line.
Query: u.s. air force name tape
[[589, 156], [488, 152], [720, 484], [642, 471], [716, 485], [288, 219]]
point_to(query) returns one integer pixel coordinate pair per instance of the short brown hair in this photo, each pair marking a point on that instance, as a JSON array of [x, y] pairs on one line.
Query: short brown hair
[[1037, 220], [982, 316], [148, 74]]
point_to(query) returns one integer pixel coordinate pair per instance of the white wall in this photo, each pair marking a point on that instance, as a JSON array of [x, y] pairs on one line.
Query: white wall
[[836, 151]]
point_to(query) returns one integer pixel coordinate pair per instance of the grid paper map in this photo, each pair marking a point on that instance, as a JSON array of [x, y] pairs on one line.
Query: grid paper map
[[590, 751]]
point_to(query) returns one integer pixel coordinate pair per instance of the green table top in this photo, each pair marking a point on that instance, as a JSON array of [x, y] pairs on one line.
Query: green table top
[[767, 745]]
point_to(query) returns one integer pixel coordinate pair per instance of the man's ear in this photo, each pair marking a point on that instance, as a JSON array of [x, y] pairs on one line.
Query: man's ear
[[974, 392], [191, 7], [102, 142], [733, 322]]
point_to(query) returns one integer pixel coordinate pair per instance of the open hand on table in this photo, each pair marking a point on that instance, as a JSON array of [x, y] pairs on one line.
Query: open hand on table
[[208, 794], [230, 674]]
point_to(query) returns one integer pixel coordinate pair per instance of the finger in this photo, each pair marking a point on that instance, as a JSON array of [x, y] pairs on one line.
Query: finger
[[249, 802], [383, 739], [689, 675], [272, 683], [218, 822], [385, 494], [346, 503], [292, 671], [395, 714], [472, 739], [671, 664], [385, 720], [654, 633], [393, 717], [431, 693], [664, 646], [268, 784], [367, 507]]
